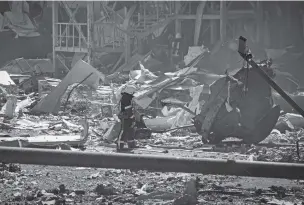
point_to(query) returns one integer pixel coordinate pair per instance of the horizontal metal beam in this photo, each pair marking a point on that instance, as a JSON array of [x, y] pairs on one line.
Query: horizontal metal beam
[[151, 163], [216, 16]]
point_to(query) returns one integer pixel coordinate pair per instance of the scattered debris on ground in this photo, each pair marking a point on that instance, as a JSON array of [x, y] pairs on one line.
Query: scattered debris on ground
[[79, 112]]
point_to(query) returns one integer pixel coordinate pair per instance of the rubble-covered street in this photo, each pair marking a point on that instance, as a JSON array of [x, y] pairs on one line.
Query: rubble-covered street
[[69, 185]]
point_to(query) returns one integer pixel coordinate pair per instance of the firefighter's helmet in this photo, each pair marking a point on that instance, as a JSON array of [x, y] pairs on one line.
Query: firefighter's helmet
[[178, 36], [129, 88]]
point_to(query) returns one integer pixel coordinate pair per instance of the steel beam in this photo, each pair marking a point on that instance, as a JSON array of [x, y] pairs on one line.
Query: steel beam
[[151, 163], [273, 84]]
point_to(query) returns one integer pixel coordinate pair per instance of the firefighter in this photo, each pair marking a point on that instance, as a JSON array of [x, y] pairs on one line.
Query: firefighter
[[127, 118], [176, 50]]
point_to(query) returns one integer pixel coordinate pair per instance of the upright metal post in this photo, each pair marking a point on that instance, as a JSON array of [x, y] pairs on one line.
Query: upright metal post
[[55, 34], [90, 27]]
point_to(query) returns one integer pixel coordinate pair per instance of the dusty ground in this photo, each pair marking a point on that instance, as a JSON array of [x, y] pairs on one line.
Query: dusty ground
[[72, 185]]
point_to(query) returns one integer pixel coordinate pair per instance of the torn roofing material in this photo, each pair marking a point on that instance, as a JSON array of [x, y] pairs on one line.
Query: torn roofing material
[[51, 103]]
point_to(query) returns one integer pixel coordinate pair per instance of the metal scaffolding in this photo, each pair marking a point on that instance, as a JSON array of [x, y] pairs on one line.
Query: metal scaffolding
[[110, 32], [72, 36]]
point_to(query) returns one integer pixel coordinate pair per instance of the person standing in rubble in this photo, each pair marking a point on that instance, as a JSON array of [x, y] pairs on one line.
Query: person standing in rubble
[[176, 45], [127, 118], [179, 49]]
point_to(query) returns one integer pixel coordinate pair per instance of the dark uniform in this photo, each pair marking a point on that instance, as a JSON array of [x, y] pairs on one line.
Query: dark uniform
[[127, 122], [178, 50]]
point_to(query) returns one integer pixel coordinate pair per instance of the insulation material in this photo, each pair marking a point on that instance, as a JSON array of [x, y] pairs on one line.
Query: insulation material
[[143, 76], [193, 52], [9, 108], [160, 123], [170, 112], [22, 104], [184, 118], [5, 79], [145, 96]]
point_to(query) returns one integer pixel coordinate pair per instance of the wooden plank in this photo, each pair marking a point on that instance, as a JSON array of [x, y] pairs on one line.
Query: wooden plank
[[198, 22], [223, 21]]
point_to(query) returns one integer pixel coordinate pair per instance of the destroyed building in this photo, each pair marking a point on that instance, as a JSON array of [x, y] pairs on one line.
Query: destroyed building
[[169, 49], [65, 64]]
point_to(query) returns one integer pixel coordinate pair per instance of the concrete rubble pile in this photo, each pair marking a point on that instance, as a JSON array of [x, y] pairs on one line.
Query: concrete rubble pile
[[40, 111]]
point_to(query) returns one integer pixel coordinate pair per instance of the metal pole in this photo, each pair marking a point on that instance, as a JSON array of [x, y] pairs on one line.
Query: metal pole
[[90, 27], [264, 75], [54, 36], [151, 163]]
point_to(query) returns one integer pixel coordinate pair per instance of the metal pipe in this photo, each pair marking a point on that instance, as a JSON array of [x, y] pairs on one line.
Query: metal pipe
[[151, 163]]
